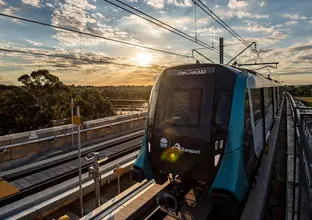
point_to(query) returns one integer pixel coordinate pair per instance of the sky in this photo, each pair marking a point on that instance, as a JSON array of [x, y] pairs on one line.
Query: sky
[[281, 28]]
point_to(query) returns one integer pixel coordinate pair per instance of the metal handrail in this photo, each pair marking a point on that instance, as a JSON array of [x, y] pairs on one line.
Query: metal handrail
[[299, 114]]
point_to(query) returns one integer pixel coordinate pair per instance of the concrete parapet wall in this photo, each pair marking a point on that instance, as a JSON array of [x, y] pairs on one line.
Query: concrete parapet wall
[[64, 129], [89, 132]]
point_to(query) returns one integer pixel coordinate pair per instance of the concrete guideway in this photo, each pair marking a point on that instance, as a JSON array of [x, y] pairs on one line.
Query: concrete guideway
[[49, 176], [42, 202], [73, 154]]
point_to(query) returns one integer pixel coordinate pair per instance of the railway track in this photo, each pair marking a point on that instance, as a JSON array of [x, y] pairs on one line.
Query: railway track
[[45, 174]]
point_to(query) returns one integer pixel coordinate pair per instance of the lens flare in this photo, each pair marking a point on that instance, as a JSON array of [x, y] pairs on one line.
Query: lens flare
[[144, 59], [171, 155]]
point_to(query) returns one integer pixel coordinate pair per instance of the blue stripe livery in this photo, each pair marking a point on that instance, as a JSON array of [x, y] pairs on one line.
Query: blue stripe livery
[[231, 175]]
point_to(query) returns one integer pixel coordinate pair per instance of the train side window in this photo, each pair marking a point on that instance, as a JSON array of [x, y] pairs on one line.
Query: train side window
[[152, 101], [256, 101], [152, 105], [247, 107], [223, 107], [267, 92]]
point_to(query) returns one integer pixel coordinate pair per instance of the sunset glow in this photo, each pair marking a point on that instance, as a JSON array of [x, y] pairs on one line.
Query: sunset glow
[[144, 59]]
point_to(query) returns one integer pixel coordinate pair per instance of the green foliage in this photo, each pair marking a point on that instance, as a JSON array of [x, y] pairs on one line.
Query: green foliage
[[99, 107], [43, 100], [18, 111], [301, 91]]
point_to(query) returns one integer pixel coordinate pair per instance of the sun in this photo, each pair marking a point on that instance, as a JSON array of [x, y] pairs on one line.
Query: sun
[[143, 59]]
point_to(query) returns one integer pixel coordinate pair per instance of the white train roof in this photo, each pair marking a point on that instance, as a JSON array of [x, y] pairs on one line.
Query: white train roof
[[255, 80]]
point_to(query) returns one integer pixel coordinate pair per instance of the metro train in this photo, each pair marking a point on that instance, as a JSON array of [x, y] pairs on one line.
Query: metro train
[[207, 125]]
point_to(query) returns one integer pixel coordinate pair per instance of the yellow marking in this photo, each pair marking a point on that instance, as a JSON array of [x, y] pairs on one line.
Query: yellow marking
[[6, 189], [76, 120], [119, 171]]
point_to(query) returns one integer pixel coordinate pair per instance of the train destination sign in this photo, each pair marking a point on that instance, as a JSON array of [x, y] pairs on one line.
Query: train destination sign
[[189, 72]]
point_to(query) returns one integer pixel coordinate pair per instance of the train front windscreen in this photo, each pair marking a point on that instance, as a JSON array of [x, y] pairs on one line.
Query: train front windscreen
[[179, 123]]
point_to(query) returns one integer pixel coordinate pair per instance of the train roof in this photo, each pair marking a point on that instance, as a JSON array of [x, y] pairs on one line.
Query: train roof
[[254, 80]]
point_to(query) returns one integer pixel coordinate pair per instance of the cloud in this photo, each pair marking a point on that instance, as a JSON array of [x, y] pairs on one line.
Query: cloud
[[98, 16], [259, 28], [301, 47], [156, 3], [3, 3], [9, 10], [208, 31], [49, 5], [295, 62], [72, 15], [272, 38], [226, 14], [140, 27], [290, 23], [237, 4], [294, 16], [35, 3], [34, 43], [181, 3]]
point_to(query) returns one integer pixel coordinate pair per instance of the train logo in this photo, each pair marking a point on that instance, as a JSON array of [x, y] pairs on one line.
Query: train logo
[[177, 146], [163, 143]]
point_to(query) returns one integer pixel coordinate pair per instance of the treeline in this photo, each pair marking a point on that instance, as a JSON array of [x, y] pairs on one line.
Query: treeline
[[301, 91], [43, 101], [118, 92]]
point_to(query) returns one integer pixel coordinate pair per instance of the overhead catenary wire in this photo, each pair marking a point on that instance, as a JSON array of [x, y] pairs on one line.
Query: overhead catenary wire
[[195, 19], [159, 23], [68, 57], [163, 25], [156, 21], [220, 21], [92, 35]]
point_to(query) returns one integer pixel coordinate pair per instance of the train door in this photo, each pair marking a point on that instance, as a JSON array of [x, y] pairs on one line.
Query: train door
[[268, 110], [249, 152], [220, 122]]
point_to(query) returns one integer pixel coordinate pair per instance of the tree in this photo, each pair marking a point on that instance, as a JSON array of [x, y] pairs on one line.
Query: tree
[[51, 94], [98, 106], [85, 107], [18, 110]]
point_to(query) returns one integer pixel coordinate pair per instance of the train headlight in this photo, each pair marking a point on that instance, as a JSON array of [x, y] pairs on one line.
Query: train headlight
[[149, 146], [216, 159]]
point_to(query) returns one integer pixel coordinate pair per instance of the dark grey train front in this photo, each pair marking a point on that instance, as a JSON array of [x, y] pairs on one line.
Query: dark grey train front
[[207, 124]]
